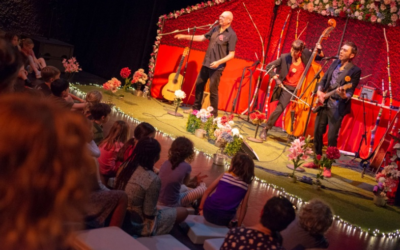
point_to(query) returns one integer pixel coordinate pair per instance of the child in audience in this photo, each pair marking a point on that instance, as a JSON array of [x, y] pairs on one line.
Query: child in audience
[[99, 114], [49, 74], [142, 130], [109, 148], [175, 176], [142, 185], [60, 90], [277, 214], [11, 64], [12, 38], [35, 64], [92, 97], [231, 190], [46, 173], [307, 231]]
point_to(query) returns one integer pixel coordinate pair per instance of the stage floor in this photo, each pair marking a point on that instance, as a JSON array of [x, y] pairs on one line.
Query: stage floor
[[348, 193]]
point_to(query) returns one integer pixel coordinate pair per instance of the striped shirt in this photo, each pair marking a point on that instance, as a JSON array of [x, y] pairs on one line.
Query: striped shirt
[[229, 193]]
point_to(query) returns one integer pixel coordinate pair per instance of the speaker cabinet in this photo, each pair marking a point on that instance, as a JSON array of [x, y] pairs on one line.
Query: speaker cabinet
[[53, 51], [249, 151]]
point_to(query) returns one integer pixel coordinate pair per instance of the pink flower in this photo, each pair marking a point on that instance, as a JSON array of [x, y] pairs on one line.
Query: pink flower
[[373, 18], [194, 112], [319, 157], [323, 12], [334, 4], [310, 7], [394, 18]]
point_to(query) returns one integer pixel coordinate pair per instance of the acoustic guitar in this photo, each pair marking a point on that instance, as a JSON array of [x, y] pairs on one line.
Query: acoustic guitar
[[318, 105], [174, 80]]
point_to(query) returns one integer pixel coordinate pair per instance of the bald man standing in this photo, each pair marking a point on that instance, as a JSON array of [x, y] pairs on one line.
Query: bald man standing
[[220, 50]]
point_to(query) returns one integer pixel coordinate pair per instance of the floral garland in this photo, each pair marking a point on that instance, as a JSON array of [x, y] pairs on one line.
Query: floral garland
[[374, 11], [160, 24]]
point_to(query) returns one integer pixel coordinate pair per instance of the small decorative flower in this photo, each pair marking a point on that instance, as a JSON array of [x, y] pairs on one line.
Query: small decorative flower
[[347, 78], [180, 94]]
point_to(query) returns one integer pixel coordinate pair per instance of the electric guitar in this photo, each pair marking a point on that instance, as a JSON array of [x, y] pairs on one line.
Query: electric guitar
[[318, 105], [174, 80]]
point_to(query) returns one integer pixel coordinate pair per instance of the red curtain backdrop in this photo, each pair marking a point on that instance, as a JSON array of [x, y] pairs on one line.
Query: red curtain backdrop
[[371, 57]]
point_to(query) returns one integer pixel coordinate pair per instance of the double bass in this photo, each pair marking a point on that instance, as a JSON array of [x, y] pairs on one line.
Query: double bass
[[298, 119]]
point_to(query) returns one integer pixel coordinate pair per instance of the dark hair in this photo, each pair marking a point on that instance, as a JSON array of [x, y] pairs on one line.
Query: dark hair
[[353, 46], [298, 45], [118, 133], [99, 110], [142, 130], [181, 149], [145, 154], [58, 86], [277, 214], [9, 66], [9, 36], [49, 72], [243, 167]]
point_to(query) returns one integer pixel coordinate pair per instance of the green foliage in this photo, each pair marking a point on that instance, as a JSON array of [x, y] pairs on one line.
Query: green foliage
[[193, 123], [232, 148], [210, 127]]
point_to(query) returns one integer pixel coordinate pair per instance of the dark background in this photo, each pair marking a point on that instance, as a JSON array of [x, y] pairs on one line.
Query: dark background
[[107, 35]]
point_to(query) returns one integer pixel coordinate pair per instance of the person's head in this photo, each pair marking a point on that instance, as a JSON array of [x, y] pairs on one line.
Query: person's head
[[225, 18], [10, 63], [348, 51], [243, 166], [46, 172], [50, 74], [27, 44], [100, 112], [297, 48], [145, 154], [315, 217], [92, 97], [60, 88], [277, 214], [181, 149], [118, 133], [12, 38]]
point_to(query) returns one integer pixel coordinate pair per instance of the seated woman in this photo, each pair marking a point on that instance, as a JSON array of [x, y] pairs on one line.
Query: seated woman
[[276, 215], [223, 197], [175, 176], [307, 231], [46, 173], [109, 149], [35, 64], [142, 186]]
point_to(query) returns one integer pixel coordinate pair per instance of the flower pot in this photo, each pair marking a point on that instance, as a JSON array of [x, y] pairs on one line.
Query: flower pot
[[219, 159], [139, 93], [316, 186], [200, 133], [380, 200], [220, 143]]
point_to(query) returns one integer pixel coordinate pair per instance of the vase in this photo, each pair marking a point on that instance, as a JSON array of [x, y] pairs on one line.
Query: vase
[[200, 133], [254, 139], [293, 178], [219, 159], [316, 185], [380, 200]]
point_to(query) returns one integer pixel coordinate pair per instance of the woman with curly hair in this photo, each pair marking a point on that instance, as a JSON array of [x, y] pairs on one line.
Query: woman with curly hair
[[307, 231], [46, 173], [175, 176]]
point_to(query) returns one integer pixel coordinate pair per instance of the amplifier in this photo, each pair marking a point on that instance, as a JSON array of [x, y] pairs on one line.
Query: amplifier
[[367, 93]]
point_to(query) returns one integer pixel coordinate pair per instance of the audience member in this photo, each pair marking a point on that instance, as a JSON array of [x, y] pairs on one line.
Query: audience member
[[13, 39], [10, 63], [100, 114], [60, 90], [35, 64], [45, 174], [49, 75], [231, 190], [142, 130], [307, 231], [277, 214], [175, 176], [142, 186], [92, 97], [109, 149]]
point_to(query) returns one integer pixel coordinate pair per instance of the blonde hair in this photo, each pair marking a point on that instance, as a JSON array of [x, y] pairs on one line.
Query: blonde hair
[[119, 132], [26, 42], [46, 172], [316, 217], [92, 97]]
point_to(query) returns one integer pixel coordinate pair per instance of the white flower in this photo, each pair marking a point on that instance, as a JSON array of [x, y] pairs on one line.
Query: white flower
[[357, 13], [231, 123], [362, 1], [360, 18], [235, 131], [326, 1], [327, 6], [393, 9], [180, 94], [316, 2], [210, 109]]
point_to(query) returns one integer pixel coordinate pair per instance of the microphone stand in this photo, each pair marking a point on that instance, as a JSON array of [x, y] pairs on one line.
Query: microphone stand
[[188, 29], [187, 60]]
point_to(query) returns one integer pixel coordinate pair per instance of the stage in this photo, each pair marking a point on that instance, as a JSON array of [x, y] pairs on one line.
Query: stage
[[349, 194]]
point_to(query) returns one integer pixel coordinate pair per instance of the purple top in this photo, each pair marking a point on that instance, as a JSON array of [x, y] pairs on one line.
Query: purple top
[[228, 195]]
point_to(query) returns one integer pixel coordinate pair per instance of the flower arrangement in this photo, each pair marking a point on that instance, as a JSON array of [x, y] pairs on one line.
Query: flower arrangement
[[257, 118], [227, 138], [387, 180], [71, 67], [139, 77], [300, 150], [199, 119], [325, 162], [125, 73], [179, 96], [374, 11], [111, 86]]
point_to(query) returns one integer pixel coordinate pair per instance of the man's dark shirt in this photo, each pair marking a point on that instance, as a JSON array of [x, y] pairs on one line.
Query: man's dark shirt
[[220, 45]]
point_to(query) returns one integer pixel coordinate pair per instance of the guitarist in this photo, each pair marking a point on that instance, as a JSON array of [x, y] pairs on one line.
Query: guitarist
[[339, 104], [220, 50]]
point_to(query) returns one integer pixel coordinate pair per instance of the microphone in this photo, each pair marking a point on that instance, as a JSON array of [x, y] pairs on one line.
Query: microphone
[[211, 25], [330, 57]]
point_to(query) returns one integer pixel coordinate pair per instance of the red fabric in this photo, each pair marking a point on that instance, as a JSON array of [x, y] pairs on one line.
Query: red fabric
[[293, 77], [371, 57]]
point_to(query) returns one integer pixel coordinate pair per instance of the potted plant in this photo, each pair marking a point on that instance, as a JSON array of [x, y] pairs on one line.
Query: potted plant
[[197, 121], [71, 67], [139, 79]]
